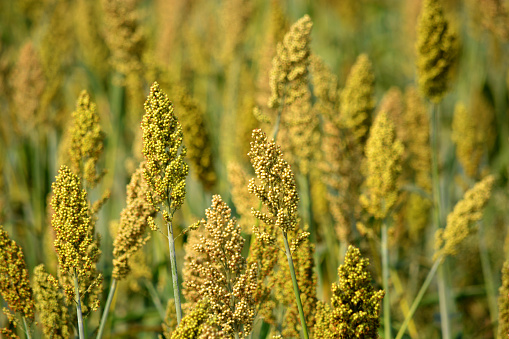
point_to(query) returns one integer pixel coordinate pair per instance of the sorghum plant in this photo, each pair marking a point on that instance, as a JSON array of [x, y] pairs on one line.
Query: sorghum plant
[[216, 271], [75, 243], [14, 284], [355, 305], [165, 170]]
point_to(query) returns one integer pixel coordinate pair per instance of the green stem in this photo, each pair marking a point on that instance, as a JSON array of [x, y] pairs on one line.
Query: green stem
[[155, 298], [81, 329], [437, 216], [173, 261], [295, 286], [488, 274], [27, 330], [418, 298], [106, 310], [385, 281], [442, 299]]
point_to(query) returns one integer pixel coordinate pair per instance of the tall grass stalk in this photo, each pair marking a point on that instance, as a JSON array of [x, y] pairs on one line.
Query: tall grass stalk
[[81, 329], [403, 295], [27, 329], [174, 273], [155, 298], [418, 298], [437, 218], [295, 287], [107, 307], [488, 275]]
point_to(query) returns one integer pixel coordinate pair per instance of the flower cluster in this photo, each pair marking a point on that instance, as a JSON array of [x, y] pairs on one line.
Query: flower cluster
[[75, 242], [276, 189], [383, 166], [133, 224], [417, 142], [471, 134], [436, 49], [14, 284], [87, 140], [125, 38], [55, 319], [356, 99], [467, 211], [165, 169], [196, 137], [243, 201], [290, 65], [29, 83], [191, 326], [219, 273], [355, 309]]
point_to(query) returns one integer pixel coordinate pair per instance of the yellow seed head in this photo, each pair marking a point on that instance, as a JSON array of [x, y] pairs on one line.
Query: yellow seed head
[[472, 133], [383, 167], [290, 65], [275, 186], [133, 224], [28, 84], [235, 15], [325, 87], [196, 137], [436, 51], [87, 138], [55, 319], [222, 276], [165, 169], [75, 242], [417, 138], [467, 211], [355, 304], [356, 99], [14, 284], [243, 201], [191, 325], [124, 37]]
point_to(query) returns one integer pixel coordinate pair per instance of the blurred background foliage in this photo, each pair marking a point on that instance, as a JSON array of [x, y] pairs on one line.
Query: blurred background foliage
[[213, 59]]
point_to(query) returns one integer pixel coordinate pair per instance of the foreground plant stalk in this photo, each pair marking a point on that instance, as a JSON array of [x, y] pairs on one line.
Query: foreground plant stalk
[[174, 273], [81, 329], [165, 170], [437, 218], [295, 287], [104, 318], [418, 298]]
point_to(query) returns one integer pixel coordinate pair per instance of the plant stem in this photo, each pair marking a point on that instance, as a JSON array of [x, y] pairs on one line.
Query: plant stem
[[418, 298], [442, 299], [81, 329], [27, 330], [174, 274], [437, 216], [385, 282], [295, 286], [106, 310], [155, 298], [487, 271]]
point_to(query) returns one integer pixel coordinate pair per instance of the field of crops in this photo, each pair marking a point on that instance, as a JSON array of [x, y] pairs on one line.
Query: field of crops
[[254, 169]]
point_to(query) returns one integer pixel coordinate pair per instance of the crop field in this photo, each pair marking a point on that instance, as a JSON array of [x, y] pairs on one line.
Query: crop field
[[257, 169]]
